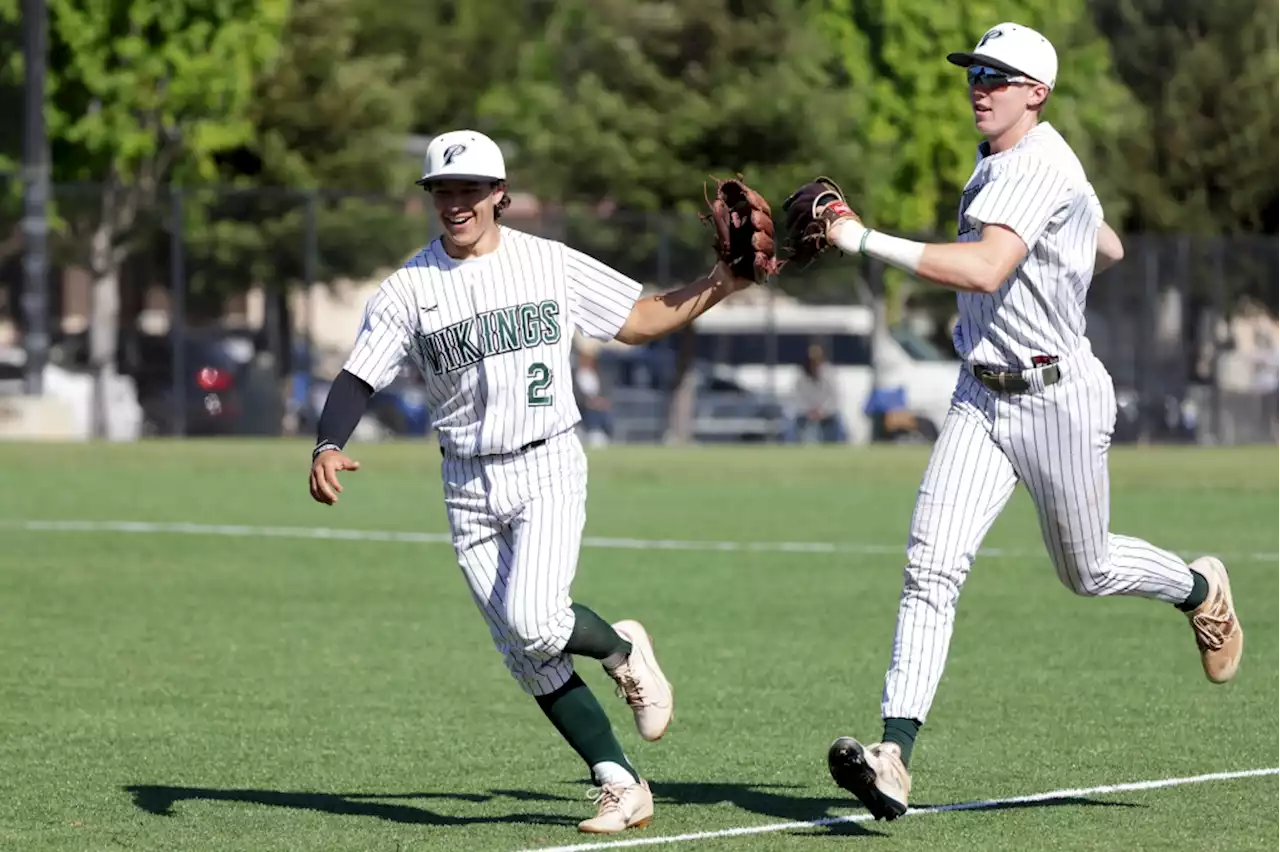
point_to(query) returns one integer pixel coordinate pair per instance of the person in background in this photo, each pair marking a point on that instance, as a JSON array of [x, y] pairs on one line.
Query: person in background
[[815, 402], [597, 415]]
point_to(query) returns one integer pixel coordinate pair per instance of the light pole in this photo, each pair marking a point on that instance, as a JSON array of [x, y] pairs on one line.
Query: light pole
[[35, 195]]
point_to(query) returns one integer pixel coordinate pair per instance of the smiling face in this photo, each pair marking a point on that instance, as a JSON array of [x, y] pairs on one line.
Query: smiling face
[[1002, 102], [467, 210]]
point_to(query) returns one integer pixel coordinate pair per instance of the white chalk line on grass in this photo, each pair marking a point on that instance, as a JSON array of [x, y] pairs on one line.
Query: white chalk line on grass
[[332, 534], [939, 809], [338, 534]]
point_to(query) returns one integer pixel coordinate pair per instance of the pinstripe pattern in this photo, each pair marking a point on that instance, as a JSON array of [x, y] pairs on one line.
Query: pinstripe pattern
[[968, 481], [478, 330], [1058, 441], [1039, 190], [517, 524], [1053, 439], [492, 337]]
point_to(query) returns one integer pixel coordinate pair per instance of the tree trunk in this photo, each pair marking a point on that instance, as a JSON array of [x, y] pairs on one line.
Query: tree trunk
[[104, 322], [880, 330], [684, 393]]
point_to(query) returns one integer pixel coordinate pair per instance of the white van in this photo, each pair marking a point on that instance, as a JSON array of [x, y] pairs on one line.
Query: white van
[[763, 347]]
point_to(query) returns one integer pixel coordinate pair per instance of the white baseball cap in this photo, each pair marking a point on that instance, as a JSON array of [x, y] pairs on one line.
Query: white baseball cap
[[463, 155], [1016, 49]]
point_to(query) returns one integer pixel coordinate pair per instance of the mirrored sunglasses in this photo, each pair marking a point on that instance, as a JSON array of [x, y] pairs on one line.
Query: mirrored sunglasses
[[985, 75]]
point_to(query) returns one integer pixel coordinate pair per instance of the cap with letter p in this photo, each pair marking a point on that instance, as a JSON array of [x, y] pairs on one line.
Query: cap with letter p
[[1015, 49], [463, 155]]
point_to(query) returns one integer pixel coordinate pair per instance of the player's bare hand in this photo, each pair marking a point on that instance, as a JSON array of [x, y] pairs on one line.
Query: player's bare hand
[[325, 487]]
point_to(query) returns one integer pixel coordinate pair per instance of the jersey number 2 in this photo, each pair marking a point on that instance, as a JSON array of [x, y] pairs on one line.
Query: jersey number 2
[[539, 376]]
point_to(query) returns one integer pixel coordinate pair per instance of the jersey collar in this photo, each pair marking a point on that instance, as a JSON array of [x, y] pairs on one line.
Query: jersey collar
[[444, 261], [1041, 129]]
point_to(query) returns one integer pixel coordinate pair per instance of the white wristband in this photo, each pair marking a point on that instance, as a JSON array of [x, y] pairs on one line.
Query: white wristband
[[847, 236], [852, 237]]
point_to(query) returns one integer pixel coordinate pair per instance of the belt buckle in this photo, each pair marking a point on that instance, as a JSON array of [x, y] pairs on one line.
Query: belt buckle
[[1000, 380], [992, 379]]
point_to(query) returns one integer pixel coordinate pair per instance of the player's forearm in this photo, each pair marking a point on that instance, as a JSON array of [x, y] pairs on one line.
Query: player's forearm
[[967, 267], [346, 403], [658, 316]]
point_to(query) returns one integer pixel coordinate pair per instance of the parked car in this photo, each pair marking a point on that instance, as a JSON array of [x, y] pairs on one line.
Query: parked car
[[639, 383], [214, 396], [222, 393], [762, 348]]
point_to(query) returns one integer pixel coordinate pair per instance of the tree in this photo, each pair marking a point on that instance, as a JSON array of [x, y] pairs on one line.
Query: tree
[[328, 122], [636, 102], [139, 94], [453, 52], [622, 109], [1207, 75], [916, 128]]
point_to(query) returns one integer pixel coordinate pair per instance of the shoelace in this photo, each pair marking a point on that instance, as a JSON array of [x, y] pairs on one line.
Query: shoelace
[[606, 798], [628, 686], [1212, 625]]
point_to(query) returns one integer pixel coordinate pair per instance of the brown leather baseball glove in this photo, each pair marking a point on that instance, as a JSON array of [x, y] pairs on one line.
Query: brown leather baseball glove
[[744, 229], [808, 212]]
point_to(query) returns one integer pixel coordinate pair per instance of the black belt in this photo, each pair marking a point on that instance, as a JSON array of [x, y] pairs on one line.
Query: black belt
[[532, 445], [1013, 382]]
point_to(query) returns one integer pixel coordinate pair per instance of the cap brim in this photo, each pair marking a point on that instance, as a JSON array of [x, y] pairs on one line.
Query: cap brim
[[423, 181], [964, 60]]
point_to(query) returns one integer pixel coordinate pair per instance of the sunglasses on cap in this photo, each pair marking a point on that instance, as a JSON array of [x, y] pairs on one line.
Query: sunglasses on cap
[[985, 75]]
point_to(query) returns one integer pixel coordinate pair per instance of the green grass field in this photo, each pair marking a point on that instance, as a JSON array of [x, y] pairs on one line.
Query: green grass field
[[240, 691]]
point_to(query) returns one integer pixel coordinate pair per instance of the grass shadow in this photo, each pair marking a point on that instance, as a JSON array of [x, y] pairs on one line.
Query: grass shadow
[[159, 800], [769, 800]]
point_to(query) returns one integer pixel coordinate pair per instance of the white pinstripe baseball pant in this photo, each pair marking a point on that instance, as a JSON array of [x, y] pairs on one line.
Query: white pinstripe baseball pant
[[1055, 440], [517, 524]]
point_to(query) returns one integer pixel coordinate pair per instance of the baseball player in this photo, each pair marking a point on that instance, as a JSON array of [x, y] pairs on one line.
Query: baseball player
[[488, 313], [1032, 403]]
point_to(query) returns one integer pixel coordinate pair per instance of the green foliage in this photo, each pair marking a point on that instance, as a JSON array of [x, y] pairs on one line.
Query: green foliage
[[331, 113], [259, 236], [329, 121], [638, 102], [136, 87], [1207, 75], [616, 111], [453, 52], [138, 94], [916, 126]]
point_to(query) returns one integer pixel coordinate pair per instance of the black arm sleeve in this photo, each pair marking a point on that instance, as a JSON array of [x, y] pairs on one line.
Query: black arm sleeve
[[347, 402]]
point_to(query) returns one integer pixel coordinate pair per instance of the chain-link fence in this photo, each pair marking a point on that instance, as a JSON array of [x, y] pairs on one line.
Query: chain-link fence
[[235, 306]]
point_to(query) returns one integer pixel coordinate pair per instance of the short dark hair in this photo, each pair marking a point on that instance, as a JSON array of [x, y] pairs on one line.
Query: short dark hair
[[506, 199]]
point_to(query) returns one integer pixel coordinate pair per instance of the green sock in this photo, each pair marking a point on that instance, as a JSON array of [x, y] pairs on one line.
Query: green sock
[[581, 721], [903, 732], [1199, 591], [594, 637]]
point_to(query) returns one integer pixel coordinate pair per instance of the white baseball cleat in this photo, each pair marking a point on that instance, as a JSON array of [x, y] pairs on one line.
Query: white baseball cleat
[[1218, 632], [619, 807], [641, 682], [874, 773]]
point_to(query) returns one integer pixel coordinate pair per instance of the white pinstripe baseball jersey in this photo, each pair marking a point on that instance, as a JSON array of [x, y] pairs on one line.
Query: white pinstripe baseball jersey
[[1038, 189], [492, 337], [1054, 438]]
